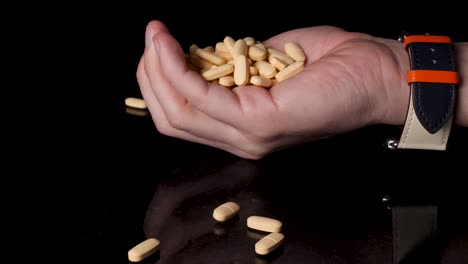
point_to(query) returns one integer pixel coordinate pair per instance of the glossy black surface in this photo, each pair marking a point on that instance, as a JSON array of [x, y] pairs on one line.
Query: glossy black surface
[[120, 181]]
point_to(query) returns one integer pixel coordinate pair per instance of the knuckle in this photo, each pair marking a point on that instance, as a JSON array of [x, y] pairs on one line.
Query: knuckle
[[165, 129], [177, 121]]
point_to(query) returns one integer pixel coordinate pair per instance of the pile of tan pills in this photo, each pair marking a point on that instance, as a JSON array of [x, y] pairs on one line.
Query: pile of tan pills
[[246, 61], [233, 63], [223, 213]]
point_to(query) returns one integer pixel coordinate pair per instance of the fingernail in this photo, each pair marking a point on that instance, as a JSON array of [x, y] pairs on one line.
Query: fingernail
[[149, 37]]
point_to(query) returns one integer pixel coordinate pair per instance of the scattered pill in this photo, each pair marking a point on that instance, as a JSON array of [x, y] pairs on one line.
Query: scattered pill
[[261, 46], [225, 55], [210, 57], [290, 71], [264, 224], [135, 102], [260, 81], [143, 250], [221, 47], [269, 243], [199, 62], [218, 72], [209, 48], [294, 51], [253, 71], [240, 48], [279, 64], [225, 211], [281, 55], [193, 48], [249, 41], [265, 69], [227, 81], [256, 53], [229, 43], [241, 70]]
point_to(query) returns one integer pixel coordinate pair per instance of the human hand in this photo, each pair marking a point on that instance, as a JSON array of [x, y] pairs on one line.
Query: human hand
[[350, 80]]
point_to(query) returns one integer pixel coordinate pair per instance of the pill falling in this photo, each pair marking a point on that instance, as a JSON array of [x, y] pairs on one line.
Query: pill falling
[[264, 224], [143, 250], [226, 211], [135, 102], [269, 243]]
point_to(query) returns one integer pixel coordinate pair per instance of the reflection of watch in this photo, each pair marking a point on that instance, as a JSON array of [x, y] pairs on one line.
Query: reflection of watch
[[433, 79], [414, 229]]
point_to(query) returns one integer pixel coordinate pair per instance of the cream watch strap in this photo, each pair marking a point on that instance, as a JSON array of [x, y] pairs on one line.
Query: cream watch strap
[[433, 81], [415, 136]]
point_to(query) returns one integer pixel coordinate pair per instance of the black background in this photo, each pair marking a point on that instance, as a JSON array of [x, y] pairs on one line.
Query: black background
[[102, 165]]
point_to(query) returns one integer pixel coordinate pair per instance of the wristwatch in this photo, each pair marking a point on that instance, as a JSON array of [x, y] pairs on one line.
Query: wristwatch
[[433, 80]]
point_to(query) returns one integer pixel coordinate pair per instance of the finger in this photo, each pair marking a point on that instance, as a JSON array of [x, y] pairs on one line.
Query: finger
[[153, 27], [157, 113], [214, 100], [163, 125], [182, 115]]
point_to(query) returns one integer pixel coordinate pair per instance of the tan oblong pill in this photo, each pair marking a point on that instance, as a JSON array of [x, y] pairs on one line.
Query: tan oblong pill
[[210, 57], [135, 102], [290, 71], [218, 72], [226, 81], [294, 51], [253, 71], [193, 48], [241, 70], [256, 53], [279, 64], [261, 46], [264, 224], [249, 41], [225, 55], [225, 211], [265, 69], [199, 62], [240, 48], [269, 243], [280, 55], [221, 47], [143, 250], [209, 49], [229, 43], [261, 81]]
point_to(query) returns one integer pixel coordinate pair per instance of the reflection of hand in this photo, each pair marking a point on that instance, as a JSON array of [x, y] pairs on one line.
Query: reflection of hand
[[180, 216], [348, 82]]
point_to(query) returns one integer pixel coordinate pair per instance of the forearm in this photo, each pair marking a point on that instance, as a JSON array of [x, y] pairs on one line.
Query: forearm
[[461, 114]]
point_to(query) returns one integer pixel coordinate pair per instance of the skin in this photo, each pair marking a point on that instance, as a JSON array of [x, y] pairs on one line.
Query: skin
[[350, 80]]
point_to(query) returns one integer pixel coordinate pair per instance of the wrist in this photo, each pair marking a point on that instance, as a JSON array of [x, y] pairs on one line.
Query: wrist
[[461, 109], [395, 99]]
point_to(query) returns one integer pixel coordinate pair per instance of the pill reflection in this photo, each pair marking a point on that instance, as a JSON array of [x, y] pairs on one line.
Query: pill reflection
[[256, 234], [136, 111], [271, 257], [220, 228]]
